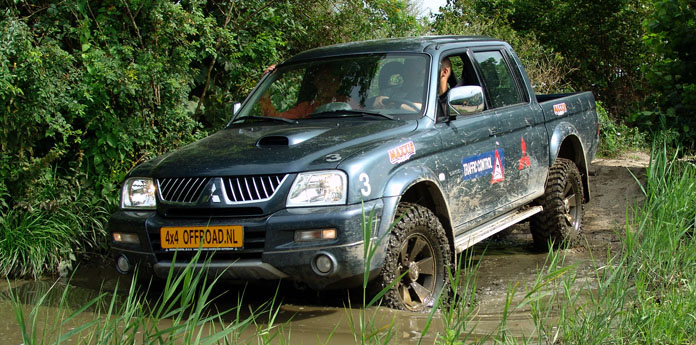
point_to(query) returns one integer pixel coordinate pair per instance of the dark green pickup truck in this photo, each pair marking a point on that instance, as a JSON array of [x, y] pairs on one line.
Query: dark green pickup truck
[[442, 135]]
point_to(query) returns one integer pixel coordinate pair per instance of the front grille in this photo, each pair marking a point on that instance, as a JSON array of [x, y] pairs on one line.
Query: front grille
[[183, 189], [213, 212], [252, 188]]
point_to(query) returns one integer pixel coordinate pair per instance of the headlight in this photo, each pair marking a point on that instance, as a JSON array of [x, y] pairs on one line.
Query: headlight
[[138, 192], [318, 188]]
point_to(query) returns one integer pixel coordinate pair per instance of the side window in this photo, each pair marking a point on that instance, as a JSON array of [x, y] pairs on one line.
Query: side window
[[499, 83]]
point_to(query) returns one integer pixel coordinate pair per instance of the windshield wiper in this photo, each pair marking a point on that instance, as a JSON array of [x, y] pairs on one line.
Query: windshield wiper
[[265, 118], [349, 113]]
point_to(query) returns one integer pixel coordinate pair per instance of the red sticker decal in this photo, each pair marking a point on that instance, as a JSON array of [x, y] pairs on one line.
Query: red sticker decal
[[525, 162], [560, 109], [498, 173], [402, 153]]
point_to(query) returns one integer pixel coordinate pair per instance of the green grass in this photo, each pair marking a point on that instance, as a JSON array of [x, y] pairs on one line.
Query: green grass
[[645, 294], [37, 241], [182, 314], [616, 137]]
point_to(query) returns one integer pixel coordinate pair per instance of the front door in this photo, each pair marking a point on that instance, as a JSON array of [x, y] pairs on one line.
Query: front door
[[519, 130]]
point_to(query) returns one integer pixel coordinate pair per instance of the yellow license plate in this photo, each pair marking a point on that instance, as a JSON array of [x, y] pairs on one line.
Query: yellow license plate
[[220, 236]]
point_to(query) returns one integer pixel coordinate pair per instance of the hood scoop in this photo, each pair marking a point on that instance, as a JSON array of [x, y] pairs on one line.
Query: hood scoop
[[289, 137], [273, 140]]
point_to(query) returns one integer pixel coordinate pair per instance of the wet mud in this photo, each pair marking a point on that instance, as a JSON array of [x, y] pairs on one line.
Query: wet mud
[[505, 260]]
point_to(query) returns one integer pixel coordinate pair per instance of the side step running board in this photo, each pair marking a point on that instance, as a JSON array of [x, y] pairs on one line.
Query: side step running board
[[476, 235]]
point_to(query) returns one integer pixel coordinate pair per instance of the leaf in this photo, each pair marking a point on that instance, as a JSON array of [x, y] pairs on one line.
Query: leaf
[[111, 140]]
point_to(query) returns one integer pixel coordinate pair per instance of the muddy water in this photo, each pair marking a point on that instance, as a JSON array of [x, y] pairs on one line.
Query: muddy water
[[505, 260]]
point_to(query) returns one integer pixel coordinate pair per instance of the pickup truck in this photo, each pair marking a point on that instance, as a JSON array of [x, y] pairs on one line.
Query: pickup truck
[[440, 142]]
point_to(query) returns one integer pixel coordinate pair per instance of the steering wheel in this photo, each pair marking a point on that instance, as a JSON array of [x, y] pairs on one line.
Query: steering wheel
[[401, 101]]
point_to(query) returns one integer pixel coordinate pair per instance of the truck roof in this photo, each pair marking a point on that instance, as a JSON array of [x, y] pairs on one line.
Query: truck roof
[[389, 45]]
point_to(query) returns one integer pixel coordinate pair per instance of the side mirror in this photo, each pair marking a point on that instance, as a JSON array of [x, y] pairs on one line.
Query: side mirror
[[465, 100], [236, 108]]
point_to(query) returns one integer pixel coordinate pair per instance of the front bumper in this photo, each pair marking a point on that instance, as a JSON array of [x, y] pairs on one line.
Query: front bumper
[[270, 251]]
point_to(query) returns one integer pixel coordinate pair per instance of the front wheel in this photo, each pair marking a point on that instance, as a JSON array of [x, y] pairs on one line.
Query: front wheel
[[418, 255], [561, 221]]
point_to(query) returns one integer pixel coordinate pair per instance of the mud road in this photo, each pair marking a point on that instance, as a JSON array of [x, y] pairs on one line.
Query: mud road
[[506, 259]]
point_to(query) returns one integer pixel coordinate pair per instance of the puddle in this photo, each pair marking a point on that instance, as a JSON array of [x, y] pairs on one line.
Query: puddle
[[305, 316]]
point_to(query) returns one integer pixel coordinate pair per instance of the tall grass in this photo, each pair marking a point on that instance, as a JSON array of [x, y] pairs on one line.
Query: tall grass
[[365, 328], [49, 237], [181, 315], [644, 295]]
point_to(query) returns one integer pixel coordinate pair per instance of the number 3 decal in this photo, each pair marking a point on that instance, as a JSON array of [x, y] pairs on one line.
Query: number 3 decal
[[333, 157], [366, 190]]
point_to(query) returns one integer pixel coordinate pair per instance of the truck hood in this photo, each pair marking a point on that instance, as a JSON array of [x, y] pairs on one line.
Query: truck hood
[[253, 149]]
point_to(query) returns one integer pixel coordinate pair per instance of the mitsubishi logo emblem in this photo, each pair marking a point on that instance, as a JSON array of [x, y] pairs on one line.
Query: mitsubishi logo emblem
[[215, 197]]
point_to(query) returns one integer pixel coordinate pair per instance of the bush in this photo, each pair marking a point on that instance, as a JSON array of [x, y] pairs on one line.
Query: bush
[[88, 90], [670, 37], [50, 238], [616, 137]]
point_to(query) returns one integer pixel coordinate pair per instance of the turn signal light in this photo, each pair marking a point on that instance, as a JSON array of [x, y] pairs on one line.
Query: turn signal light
[[315, 235], [120, 237]]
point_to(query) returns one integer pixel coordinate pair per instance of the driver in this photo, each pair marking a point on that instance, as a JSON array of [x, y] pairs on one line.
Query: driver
[[326, 82], [443, 89], [410, 90]]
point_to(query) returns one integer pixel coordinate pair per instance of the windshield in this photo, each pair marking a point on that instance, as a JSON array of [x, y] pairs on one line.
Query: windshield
[[374, 86]]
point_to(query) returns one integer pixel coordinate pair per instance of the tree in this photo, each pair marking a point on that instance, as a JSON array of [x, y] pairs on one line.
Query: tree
[[547, 69], [671, 38], [601, 40]]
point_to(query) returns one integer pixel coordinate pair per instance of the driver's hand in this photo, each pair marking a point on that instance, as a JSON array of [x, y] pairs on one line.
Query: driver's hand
[[410, 108], [379, 102], [269, 69]]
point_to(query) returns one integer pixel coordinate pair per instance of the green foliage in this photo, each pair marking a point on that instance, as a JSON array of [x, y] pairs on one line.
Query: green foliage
[[600, 40], [90, 89], [547, 69], [616, 137], [671, 37], [49, 239]]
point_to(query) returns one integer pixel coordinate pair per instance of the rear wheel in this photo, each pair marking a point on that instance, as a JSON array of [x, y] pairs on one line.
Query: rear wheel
[[561, 221], [418, 255]]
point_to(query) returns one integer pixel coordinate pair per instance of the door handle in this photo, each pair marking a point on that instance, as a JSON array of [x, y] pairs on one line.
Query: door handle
[[492, 131], [528, 122]]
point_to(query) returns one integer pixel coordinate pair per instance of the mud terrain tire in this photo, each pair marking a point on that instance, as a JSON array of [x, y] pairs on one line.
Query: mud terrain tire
[[418, 249], [561, 220]]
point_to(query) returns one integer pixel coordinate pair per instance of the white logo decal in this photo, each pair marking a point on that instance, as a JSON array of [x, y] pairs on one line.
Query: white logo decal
[[216, 198]]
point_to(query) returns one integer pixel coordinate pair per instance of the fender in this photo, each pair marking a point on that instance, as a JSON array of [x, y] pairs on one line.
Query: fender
[[409, 176], [565, 143]]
